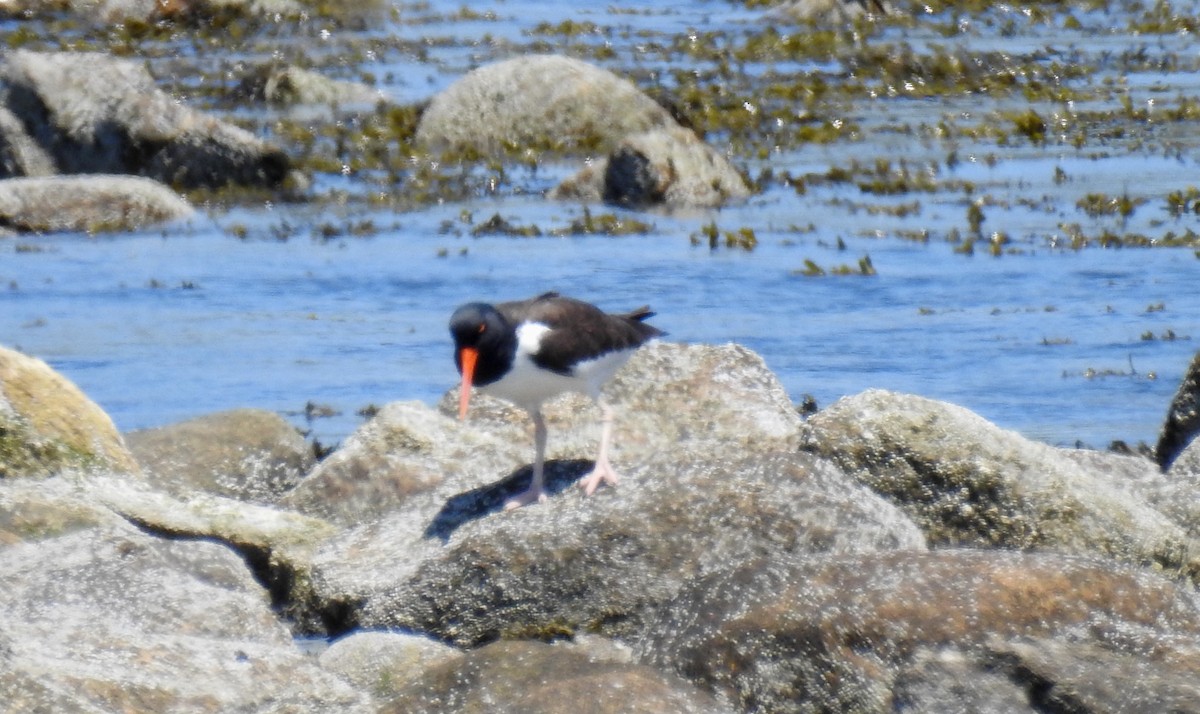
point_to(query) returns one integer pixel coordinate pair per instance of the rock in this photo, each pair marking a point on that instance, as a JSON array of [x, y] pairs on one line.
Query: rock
[[405, 449], [48, 426], [247, 454], [601, 564], [93, 203], [665, 394], [949, 679], [293, 85], [1109, 669], [831, 633], [967, 482], [539, 678], [830, 11], [538, 103], [92, 113], [278, 545], [32, 510], [385, 663], [111, 619], [20, 155], [1183, 418], [669, 166]]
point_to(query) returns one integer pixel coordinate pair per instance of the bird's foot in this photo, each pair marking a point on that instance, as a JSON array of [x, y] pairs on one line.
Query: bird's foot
[[603, 472], [533, 495]]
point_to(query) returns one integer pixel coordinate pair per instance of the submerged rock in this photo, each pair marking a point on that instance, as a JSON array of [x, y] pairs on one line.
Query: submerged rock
[[48, 426], [93, 113], [247, 454], [833, 633], [293, 85], [965, 481]]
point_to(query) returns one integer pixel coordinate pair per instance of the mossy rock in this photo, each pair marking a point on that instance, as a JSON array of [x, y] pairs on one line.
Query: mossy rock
[[47, 425]]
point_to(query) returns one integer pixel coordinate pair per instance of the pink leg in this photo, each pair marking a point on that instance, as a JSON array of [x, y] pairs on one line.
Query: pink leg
[[603, 470], [536, 492]]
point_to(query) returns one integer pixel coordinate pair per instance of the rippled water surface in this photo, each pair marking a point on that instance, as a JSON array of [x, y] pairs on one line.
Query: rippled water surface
[[1062, 344]]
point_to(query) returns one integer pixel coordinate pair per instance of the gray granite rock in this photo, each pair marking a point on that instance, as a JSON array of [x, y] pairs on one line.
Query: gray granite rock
[[247, 454], [967, 482]]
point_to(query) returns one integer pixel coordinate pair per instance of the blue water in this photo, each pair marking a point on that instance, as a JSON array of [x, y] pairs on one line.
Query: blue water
[[1064, 346]]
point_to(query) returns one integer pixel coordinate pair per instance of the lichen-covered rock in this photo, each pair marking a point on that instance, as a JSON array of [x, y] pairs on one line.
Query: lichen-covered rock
[[48, 426], [93, 113], [832, 633], [539, 678], [967, 482], [247, 454], [112, 619], [94, 203], [669, 166], [538, 102]]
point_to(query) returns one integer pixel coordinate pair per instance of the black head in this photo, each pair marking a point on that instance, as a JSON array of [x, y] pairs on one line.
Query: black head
[[481, 327]]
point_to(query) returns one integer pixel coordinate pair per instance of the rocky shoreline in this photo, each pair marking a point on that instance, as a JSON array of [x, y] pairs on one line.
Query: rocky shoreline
[[888, 553]]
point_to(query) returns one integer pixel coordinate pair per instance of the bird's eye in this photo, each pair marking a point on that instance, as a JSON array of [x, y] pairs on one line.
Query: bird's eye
[[482, 327]]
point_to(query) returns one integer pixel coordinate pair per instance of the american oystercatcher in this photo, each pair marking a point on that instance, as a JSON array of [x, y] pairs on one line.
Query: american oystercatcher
[[531, 350]]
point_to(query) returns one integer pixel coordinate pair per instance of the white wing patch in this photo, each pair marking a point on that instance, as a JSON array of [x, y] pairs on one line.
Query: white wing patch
[[528, 385]]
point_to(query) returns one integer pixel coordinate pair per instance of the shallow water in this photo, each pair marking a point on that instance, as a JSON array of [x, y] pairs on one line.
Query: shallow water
[[1063, 345]]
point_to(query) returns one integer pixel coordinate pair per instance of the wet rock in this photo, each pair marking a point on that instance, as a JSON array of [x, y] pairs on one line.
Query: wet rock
[[111, 619], [539, 102], [94, 203], [600, 564], [293, 85], [967, 482], [949, 679], [384, 663], [93, 113], [537, 677], [247, 454], [20, 155], [669, 166], [1183, 418], [48, 426], [832, 633]]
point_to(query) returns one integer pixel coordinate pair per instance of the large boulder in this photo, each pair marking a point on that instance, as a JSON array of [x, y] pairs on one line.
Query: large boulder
[[966, 481], [858, 632], [94, 203], [112, 619], [538, 102], [93, 113], [666, 394], [48, 426], [462, 570], [247, 454]]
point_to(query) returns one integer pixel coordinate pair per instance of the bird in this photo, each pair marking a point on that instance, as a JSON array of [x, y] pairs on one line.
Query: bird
[[528, 351]]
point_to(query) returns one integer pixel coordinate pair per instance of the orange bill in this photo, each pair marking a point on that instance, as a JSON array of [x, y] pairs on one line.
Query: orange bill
[[467, 357]]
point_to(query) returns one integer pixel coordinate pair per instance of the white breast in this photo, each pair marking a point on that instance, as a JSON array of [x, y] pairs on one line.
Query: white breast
[[528, 386]]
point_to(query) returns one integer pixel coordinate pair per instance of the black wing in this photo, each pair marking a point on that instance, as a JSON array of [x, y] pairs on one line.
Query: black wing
[[579, 331]]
